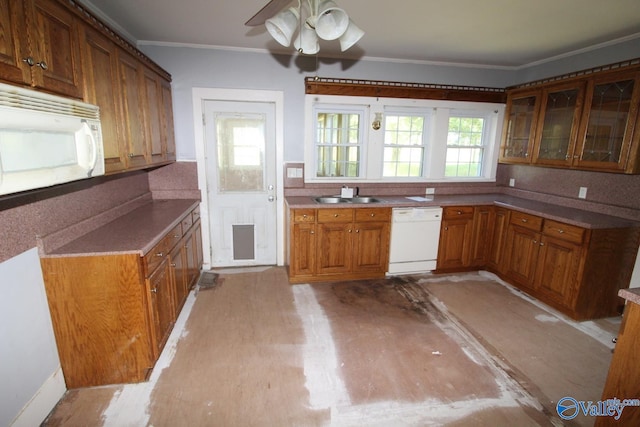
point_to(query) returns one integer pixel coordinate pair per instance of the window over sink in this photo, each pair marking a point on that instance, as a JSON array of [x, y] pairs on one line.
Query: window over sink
[[365, 139]]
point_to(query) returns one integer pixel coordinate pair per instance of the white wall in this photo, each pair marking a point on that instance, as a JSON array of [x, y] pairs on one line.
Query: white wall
[[30, 378], [214, 68]]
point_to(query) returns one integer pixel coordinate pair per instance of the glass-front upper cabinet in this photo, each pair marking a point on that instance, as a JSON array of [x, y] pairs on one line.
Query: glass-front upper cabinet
[[611, 107], [519, 127], [557, 129]]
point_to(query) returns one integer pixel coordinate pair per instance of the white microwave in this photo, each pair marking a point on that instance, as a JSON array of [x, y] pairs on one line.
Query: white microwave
[[46, 140]]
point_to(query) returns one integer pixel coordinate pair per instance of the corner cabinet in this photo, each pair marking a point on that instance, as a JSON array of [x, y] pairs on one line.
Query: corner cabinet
[[573, 269], [338, 243], [590, 122], [113, 311]]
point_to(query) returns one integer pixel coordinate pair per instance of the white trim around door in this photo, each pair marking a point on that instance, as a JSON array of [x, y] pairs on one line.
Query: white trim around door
[[200, 95]]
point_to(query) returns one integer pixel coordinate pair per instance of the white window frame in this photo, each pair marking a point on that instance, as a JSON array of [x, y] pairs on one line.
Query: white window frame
[[437, 128]]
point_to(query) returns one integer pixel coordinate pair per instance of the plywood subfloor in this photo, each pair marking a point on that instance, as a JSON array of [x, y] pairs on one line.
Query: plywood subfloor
[[253, 350]]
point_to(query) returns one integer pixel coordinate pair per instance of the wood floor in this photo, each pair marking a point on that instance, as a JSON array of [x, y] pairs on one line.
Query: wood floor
[[455, 350]]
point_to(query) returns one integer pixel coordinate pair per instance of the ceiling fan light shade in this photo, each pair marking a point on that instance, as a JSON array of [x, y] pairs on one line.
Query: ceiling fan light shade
[[351, 36], [307, 41], [332, 21], [283, 25]]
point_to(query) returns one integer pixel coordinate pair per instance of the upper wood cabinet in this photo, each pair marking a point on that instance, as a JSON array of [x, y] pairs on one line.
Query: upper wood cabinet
[[102, 87], [40, 46], [609, 128], [518, 134], [557, 126], [59, 47], [588, 122]]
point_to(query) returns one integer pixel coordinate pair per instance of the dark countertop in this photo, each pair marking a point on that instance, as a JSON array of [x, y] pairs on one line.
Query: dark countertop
[[573, 216], [135, 232], [631, 295]]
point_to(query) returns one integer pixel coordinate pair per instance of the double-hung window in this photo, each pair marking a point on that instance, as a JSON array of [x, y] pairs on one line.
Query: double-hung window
[[404, 145], [466, 139], [338, 142]]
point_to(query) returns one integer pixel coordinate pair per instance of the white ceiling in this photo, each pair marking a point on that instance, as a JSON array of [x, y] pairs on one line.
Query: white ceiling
[[498, 33]]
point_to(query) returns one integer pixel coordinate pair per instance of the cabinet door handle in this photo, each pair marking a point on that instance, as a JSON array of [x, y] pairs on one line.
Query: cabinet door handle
[[560, 230], [160, 254], [154, 290], [357, 231], [304, 216], [372, 215], [335, 215], [541, 244], [42, 65], [173, 264], [446, 228], [29, 61], [312, 232], [459, 212], [350, 231], [525, 220]]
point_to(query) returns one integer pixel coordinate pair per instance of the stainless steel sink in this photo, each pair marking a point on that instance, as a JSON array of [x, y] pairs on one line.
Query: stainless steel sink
[[364, 199], [330, 199], [338, 199]]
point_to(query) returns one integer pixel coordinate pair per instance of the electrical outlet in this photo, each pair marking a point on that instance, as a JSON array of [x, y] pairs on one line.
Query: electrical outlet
[[582, 193], [512, 182], [430, 191]]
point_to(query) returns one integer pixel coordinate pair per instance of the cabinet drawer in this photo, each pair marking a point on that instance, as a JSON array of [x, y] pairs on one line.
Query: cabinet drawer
[[195, 215], [187, 222], [452, 212], [173, 237], [524, 220], [304, 215], [373, 214], [156, 255], [563, 231], [335, 215]]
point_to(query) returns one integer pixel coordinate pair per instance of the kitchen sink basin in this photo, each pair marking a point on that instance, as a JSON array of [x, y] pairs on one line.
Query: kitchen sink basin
[[330, 199], [338, 199], [364, 199]]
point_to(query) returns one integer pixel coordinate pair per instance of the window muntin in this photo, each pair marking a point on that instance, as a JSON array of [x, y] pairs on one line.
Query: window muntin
[[338, 144], [465, 146], [370, 154], [404, 145]]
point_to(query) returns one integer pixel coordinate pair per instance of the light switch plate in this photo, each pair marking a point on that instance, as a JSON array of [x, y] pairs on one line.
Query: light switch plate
[[512, 182]]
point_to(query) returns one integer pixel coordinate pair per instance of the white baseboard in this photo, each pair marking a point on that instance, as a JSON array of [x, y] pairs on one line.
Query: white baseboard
[[41, 404]]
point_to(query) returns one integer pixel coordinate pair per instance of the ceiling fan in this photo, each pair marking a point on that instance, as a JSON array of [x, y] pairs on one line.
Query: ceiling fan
[[322, 19], [269, 10]]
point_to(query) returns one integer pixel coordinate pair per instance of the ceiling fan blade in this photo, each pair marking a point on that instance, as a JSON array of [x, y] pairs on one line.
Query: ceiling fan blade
[[269, 10]]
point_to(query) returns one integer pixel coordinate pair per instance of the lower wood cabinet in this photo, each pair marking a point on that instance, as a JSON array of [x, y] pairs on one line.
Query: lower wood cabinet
[[576, 270], [338, 243], [113, 312]]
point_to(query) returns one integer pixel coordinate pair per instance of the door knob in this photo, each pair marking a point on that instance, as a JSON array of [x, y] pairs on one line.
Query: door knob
[[271, 198]]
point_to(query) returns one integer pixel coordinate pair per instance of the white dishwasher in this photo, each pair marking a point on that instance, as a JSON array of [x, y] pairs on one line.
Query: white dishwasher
[[415, 233]]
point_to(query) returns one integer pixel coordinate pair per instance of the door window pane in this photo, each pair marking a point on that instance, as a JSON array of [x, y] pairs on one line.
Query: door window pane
[[241, 145]]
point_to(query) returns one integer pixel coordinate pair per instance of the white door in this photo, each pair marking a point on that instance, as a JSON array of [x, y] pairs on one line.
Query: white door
[[240, 147]]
